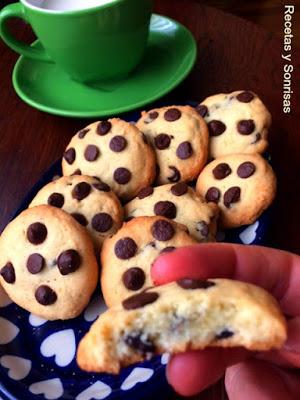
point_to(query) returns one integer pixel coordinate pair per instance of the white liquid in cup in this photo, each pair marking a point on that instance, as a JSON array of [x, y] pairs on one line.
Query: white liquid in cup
[[67, 5]]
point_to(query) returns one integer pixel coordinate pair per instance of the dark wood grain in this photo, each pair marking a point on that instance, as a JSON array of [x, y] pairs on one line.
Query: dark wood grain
[[232, 54]]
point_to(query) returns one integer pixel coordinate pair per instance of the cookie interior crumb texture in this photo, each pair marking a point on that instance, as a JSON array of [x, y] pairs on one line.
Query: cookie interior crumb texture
[[181, 316]]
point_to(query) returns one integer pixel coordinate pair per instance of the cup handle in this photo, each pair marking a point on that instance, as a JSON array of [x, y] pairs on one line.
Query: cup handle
[[17, 10]]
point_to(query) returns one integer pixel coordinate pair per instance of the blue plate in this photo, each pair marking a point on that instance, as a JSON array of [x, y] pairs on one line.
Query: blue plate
[[37, 357]]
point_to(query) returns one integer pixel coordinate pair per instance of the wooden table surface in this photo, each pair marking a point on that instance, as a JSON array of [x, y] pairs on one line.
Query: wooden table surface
[[232, 54]]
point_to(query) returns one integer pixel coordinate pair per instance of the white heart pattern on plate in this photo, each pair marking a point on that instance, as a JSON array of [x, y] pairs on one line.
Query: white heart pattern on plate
[[8, 331], [61, 345], [249, 234], [18, 367], [97, 391], [36, 321], [165, 358], [138, 375], [51, 389], [94, 309]]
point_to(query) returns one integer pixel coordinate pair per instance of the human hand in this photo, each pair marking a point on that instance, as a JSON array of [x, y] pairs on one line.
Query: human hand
[[248, 376]]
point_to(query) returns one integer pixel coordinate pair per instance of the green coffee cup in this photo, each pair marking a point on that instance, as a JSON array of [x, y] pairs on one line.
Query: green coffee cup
[[103, 41]]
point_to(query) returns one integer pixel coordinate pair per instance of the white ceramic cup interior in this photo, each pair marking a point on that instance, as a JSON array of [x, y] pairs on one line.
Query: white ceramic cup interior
[[66, 5]]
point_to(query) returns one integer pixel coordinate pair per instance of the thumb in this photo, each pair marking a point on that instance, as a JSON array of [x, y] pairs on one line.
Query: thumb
[[291, 349], [259, 380]]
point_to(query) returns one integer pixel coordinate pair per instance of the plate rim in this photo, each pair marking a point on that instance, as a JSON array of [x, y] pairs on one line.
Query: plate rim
[[119, 110]]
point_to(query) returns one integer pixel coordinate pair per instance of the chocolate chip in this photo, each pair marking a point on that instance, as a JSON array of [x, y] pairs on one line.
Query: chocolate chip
[[162, 141], [246, 169], [224, 334], [80, 219], [246, 127], [221, 171], [179, 189], [151, 244], [168, 249], [151, 117], [56, 200], [245, 97], [172, 114], [45, 295], [81, 191], [203, 228], [91, 153], [103, 128], [184, 150], [231, 196], [76, 172], [139, 300], [162, 230], [102, 222], [82, 133], [8, 273], [147, 191], [213, 194], [118, 144], [134, 278], [140, 343], [202, 110], [257, 138], [102, 187], [122, 176], [216, 128], [70, 155], [68, 262], [36, 233], [175, 177], [125, 248], [35, 263], [165, 209], [195, 283]]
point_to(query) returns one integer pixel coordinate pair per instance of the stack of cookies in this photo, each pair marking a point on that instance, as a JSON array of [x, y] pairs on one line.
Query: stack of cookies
[[173, 177]]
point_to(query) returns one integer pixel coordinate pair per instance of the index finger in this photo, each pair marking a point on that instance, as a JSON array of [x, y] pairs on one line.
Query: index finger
[[274, 270]]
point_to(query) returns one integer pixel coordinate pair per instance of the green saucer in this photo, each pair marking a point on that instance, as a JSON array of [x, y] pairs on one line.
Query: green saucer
[[169, 57]]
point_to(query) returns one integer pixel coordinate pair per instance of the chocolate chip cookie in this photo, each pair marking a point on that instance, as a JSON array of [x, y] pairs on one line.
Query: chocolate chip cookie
[[243, 186], [180, 203], [238, 122], [91, 202], [179, 136], [128, 255], [114, 151], [47, 263], [180, 316]]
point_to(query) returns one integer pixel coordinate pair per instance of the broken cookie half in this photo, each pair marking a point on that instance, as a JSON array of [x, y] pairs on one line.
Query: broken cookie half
[[180, 316]]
